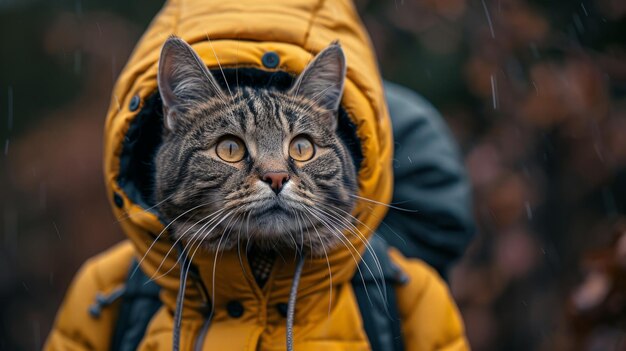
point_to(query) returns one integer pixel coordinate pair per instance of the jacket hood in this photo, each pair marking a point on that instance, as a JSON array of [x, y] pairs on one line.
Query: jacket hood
[[231, 34]]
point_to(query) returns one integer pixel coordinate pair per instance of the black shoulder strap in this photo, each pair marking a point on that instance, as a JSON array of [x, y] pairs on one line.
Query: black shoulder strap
[[139, 304], [373, 285]]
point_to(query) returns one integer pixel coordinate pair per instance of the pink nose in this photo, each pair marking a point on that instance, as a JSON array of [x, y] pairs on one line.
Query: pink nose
[[276, 180]]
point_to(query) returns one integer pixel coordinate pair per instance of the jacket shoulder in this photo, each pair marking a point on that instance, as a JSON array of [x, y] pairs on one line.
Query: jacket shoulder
[[77, 325], [430, 318]]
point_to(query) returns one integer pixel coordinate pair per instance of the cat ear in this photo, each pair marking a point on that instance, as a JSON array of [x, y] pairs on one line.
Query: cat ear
[[183, 80], [322, 80]]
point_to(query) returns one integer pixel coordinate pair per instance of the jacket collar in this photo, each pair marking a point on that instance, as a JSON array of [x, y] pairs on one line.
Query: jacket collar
[[218, 278]]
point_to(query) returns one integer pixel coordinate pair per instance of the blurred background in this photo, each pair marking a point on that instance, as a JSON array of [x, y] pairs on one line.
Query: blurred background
[[534, 91]]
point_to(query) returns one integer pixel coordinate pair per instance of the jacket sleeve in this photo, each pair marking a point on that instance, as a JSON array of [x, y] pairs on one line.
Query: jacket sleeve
[[430, 318], [75, 328], [429, 181]]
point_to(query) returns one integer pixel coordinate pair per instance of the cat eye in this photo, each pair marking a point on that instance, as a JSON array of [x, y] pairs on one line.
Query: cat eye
[[301, 148], [230, 149]]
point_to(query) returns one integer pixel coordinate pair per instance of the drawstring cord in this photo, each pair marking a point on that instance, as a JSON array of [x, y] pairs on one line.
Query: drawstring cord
[[185, 270], [178, 313], [291, 305]]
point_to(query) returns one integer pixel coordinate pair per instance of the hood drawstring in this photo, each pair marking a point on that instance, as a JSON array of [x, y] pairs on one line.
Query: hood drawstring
[[291, 305], [186, 269], [178, 313]]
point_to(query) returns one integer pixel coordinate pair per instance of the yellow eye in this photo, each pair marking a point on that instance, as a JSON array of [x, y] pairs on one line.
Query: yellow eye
[[231, 149], [301, 149]]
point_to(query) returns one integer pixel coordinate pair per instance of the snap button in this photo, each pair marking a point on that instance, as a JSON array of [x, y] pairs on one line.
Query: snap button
[[270, 59], [134, 103], [118, 200], [282, 309], [234, 309]]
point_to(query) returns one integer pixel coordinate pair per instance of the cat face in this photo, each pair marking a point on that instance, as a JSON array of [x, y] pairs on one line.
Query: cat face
[[258, 166]]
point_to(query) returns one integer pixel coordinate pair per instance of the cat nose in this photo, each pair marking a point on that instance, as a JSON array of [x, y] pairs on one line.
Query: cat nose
[[276, 180]]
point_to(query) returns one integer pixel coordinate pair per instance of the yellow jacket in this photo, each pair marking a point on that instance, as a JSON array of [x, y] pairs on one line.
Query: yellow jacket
[[237, 34]]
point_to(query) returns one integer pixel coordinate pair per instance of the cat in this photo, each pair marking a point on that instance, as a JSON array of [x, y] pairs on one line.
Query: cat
[[255, 165]]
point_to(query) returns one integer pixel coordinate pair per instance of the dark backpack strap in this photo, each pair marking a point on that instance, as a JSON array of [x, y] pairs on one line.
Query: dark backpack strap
[[139, 304], [376, 296]]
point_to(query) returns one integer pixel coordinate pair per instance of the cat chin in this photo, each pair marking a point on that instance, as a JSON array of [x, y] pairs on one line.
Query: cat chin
[[313, 246], [317, 247], [286, 236]]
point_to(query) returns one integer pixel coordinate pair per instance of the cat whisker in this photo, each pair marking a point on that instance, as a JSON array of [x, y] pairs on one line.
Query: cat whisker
[[220, 66], [342, 221], [352, 250], [349, 215], [199, 238], [356, 219], [237, 64], [163, 231], [298, 220], [354, 230], [392, 205], [330, 273], [383, 204], [379, 285], [299, 82], [217, 252], [293, 239], [187, 266], [243, 268], [301, 220], [144, 210], [332, 207], [303, 109], [213, 217], [248, 234], [339, 235], [318, 96], [325, 219]]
